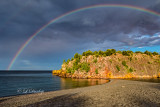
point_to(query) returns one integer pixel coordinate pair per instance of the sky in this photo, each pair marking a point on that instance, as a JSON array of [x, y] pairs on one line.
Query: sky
[[92, 29]]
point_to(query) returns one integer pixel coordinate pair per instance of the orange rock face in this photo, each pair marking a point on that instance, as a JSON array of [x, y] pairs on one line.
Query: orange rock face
[[137, 65]]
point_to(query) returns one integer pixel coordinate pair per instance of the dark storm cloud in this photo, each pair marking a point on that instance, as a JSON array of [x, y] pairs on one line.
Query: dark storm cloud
[[114, 27], [94, 29]]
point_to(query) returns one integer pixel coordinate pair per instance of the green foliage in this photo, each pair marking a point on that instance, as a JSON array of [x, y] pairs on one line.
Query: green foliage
[[100, 53], [72, 71], [77, 61], [69, 70], [109, 52], [80, 56], [85, 66], [87, 53], [142, 71], [130, 58], [110, 60], [113, 51], [76, 55], [124, 64], [84, 53], [96, 71], [119, 52], [118, 68], [104, 55], [75, 64], [95, 52], [139, 52], [72, 59], [148, 53], [130, 70], [158, 61], [96, 55], [77, 58], [68, 61], [127, 53], [155, 53], [64, 61], [95, 60]]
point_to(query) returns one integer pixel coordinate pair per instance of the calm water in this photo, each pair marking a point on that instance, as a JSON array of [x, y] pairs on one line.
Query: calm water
[[25, 82]]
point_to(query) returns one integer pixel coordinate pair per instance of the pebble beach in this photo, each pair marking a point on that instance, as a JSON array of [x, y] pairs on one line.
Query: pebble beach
[[116, 93]]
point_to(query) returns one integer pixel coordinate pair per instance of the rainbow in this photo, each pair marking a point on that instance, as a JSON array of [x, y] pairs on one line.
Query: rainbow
[[73, 12]]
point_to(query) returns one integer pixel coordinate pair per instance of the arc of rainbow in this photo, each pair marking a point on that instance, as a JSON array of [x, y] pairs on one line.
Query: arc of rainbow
[[73, 12]]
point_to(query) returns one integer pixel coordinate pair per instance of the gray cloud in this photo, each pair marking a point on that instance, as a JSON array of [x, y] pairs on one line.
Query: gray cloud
[[93, 29]]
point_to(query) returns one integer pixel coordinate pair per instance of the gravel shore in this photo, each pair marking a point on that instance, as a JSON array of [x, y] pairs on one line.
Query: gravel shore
[[116, 93]]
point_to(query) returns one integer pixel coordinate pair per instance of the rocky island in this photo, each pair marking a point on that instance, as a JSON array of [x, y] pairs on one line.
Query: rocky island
[[111, 64]]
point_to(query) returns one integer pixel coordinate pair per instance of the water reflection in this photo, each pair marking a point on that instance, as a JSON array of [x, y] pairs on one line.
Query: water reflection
[[67, 83]]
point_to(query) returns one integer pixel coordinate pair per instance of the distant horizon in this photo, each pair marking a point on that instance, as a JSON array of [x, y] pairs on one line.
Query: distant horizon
[[138, 49]]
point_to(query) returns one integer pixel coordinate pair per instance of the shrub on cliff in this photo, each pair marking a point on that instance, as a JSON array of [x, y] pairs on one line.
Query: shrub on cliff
[[148, 53], [72, 59], [155, 53], [76, 55], [118, 68], [100, 53], [68, 61], [127, 53], [87, 53], [139, 52], [109, 52], [85, 66], [69, 70], [96, 71], [124, 64], [119, 52], [95, 60], [97, 55], [64, 61], [113, 51], [95, 52], [130, 70]]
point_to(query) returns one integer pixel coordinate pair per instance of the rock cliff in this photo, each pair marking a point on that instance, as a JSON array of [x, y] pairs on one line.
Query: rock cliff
[[111, 64]]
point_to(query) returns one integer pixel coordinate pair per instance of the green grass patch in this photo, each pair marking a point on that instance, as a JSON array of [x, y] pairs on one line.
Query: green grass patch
[[130, 58], [124, 64], [95, 60], [85, 66], [118, 68], [130, 70], [96, 71]]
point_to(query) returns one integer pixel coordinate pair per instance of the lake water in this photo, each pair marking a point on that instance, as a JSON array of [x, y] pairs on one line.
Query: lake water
[[26, 82]]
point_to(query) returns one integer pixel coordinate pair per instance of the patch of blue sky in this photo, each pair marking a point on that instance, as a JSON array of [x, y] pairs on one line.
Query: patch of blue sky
[[148, 48]]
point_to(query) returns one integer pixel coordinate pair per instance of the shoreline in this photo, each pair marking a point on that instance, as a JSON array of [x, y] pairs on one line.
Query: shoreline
[[115, 93], [108, 80]]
